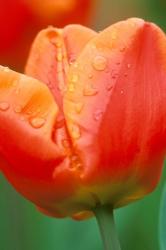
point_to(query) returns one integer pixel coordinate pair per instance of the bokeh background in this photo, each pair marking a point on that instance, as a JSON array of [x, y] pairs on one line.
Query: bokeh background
[[21, 226]]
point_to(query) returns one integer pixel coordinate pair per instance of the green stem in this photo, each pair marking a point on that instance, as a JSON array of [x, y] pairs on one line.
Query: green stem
[[104, 216]]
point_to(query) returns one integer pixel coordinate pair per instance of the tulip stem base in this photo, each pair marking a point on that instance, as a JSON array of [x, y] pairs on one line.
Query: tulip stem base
[[105, 219]]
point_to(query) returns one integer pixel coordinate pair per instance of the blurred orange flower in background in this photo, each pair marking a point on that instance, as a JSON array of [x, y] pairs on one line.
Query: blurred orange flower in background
[[92, 129], [21, 19]]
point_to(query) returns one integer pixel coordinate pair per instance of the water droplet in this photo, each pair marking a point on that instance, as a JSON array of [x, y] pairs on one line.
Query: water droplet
[[109, 86], [90, 76], [18, 109], [59, 57], [89, 90], [128, 65], [66, 143], [75, 132], [121, 91], [37, 122], [99, 63], [78, 107], [71, 87], [4, 106], [98, 114]]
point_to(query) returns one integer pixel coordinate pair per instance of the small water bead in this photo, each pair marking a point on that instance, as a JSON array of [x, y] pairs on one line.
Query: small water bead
[[37, 122], [128, 65], [4, 106], [97, 114], [121, 91], [90, 76], [89, 90], [75, 132], [99, 63]]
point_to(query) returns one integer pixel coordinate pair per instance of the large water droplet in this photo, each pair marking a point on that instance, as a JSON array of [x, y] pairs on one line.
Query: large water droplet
[[99, 63], [4, 106], [98, 114], [37, 122], [75, 132], [89, 90], [78, 107]]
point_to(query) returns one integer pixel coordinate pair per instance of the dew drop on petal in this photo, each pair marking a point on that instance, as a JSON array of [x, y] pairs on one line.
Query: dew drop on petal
[[97, 115], [89, 90], [128, 65], [90, 76], [37, 122], [4, 106], [99, 63]]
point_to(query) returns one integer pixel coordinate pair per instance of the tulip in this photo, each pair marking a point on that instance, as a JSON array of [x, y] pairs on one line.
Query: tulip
[[20, 20], [85, 128]]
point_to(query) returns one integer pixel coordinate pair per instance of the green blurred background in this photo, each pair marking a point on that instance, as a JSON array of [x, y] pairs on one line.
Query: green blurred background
[[24, 228]]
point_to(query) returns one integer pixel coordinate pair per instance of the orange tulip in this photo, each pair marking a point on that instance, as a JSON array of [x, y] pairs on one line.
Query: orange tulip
[[91, 130], [20, 20]]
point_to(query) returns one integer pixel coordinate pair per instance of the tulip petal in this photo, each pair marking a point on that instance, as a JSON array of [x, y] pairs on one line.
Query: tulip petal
[[33, 155], [51, 53], [115, 112]]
